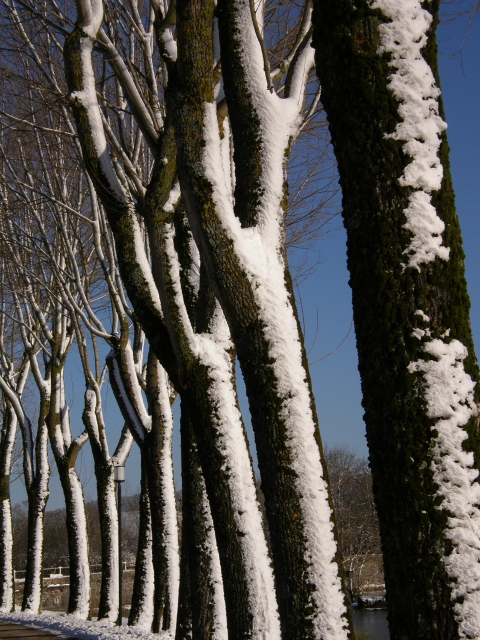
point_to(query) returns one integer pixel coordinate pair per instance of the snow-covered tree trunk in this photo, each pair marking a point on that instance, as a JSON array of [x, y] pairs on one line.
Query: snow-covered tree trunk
[[161, 491], [107, 507], [376, 61], [202, 612], [241, 240], [198, 363], [141, 612], [7, 441], [107, 510], [65, 457], [37, 495]]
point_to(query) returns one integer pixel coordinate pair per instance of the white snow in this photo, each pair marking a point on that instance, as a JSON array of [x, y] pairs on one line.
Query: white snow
[[413, 85], [220, 631], [72, 626], [170, 541], [449, 397], [7, 565], [80, 532], [169, 43]]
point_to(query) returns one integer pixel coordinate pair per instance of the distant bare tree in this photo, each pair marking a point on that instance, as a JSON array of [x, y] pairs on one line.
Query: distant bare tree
[[357, 520]]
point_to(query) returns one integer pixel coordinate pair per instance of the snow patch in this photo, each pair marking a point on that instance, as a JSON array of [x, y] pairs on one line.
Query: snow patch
[[449, 397], [72, 626], [413, 85]]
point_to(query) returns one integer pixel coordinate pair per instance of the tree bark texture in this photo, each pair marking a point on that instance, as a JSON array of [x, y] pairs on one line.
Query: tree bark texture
[[202, 606], [7, 441], [158, 453], [59, 435], [107, 510], [399, 310], [141, 613], [37, 493]]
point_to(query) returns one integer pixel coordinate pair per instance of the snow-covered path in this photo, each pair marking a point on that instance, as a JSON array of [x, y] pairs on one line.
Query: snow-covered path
[[61, 624]]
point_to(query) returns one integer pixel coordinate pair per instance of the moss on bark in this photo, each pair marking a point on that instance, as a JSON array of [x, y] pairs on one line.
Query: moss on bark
[[361, 110]]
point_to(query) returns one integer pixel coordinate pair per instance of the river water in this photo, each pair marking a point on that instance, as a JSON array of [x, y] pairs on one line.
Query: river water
[[373, 622]]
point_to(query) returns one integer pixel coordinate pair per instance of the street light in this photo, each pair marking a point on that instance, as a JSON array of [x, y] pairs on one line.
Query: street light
[[119, 477]]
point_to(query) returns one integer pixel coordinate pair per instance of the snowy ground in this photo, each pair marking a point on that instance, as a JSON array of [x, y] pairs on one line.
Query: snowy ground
[[72, 627]]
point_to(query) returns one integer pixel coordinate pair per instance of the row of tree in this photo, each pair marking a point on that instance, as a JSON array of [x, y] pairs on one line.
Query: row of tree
[[144, 216], [351, 484]]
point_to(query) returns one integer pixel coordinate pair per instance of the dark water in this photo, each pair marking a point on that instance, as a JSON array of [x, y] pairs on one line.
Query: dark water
[[372, 622]]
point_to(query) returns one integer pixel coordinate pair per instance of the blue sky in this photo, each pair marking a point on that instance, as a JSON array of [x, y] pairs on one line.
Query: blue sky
[[326, 292]]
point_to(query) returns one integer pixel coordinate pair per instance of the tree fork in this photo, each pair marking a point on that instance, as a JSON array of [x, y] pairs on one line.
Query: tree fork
[[300, 605]]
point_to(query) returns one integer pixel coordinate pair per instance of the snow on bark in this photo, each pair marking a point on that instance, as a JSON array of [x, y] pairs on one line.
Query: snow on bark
[[132, 399], [6, 570], [110, 506], [7, 443], [33, 601], [220, 629], [449, 397], [145, 606], [172, 552], [413, 85], [37, 500], [260, 252], [87, 97], [213, 349], [82, 605]]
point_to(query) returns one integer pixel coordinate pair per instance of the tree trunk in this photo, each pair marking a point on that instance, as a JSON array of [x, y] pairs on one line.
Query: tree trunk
[[252, 282], [7, 441], [202, 603], [79, 599], [377, 65], [161, 491], [141, 613], [107, 510], [37, 494], [60, 440]]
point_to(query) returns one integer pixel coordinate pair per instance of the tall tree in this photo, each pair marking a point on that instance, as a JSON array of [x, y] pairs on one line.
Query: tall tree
[[377, 63], [14, 369]]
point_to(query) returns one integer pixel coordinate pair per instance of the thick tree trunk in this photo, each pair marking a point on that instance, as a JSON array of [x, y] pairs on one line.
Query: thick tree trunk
[[79, 599], [202, 613], [60, 440], [141, 613], [161, 491], [107, 510], [7, 441], [6, 548], [377, 65], [37, 494]]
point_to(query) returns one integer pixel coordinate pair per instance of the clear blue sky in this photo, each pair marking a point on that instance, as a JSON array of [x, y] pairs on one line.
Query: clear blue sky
[[326, 292]]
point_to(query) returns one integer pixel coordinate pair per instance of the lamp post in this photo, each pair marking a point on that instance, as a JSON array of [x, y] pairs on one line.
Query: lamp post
[[119, 477]]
